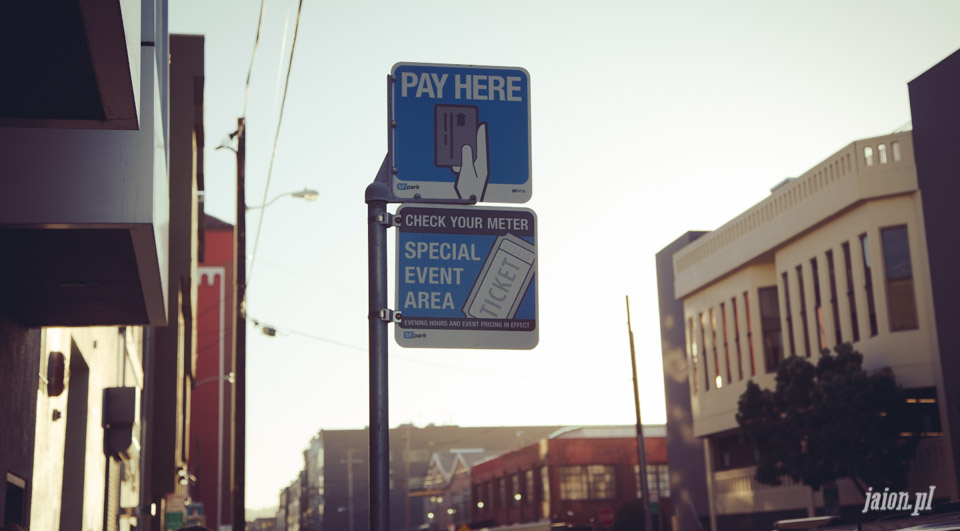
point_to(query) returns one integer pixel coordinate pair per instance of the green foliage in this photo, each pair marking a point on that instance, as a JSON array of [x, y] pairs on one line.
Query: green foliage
[[827, 422]]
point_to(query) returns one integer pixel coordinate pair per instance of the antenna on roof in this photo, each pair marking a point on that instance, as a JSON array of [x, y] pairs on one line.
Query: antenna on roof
[[905, 127], [780, 184]]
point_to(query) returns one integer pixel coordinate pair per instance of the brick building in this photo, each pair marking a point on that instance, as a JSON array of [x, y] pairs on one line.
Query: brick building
[[570, 478]]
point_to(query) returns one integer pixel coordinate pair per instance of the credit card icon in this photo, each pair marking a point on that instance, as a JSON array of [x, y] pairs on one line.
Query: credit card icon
[[455, 126], [504, 279]]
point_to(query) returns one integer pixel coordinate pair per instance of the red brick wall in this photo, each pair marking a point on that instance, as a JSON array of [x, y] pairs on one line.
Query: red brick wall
[[204, 404], [556, 453]]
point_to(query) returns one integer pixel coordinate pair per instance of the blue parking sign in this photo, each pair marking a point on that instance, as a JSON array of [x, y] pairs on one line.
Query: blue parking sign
[[466, 277], [460, 132]]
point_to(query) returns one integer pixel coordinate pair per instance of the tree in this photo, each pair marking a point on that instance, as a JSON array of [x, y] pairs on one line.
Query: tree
[[829, 421]]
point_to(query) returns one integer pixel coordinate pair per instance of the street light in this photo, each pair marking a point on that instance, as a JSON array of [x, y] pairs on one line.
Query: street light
[[306, 193], [230, 377], [265, 328]]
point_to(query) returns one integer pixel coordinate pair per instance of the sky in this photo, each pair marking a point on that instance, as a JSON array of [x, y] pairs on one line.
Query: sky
[[647, 120]]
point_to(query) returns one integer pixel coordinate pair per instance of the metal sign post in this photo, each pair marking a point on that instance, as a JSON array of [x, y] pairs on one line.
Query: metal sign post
[[377, 196], [456, 135]]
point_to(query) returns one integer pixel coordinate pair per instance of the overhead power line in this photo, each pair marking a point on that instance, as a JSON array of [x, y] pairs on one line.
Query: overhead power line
[[276, 138], [253, 55]]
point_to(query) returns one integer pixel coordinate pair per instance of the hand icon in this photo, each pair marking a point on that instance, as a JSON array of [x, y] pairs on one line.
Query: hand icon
[[473, 174]]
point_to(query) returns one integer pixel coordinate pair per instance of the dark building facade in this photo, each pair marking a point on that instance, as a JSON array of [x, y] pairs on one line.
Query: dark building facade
[[684, 451], [19, 367], [98, 220], [935, 108], [170, 370]]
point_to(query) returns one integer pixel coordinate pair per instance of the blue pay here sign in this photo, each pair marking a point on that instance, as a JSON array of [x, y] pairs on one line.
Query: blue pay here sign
[[467, 277], [459, 131]]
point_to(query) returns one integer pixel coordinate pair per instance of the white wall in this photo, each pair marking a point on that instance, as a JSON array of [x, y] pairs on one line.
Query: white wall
[[103, 351]]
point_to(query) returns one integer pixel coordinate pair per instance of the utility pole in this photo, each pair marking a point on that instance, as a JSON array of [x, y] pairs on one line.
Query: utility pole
[[240, 370], [406, 481], [641, 450], [349, 462]]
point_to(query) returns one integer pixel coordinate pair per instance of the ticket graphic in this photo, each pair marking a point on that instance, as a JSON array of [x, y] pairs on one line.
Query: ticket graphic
[[503, 280]]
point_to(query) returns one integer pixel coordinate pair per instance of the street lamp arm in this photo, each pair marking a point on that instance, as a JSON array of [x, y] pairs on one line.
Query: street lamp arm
[[230, 377], [306, 193]]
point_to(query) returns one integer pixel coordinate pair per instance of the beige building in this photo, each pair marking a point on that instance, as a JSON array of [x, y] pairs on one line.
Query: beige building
[[835, 255], [861, 249]]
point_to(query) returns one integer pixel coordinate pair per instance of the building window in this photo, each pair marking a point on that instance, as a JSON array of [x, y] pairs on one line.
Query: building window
[[15, 501], [851, 298], [833, 299], [924, 416], [818, 306], [789, 317], [803, 312], [868, 284], [736, 336], [703, 342], [528, 491], [591, 482], [663, 479], [746, 307], [501, 493], [692, 342], [515, 495], [713, 344], [868, 155], [545, 487], [901, 303], [895, 147], [573, 483], [726, 343], [882, 153], [658, 481], [730, 452], [770, 325]]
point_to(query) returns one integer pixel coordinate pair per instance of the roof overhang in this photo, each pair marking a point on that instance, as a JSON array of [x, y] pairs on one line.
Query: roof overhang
[[84, 221], [70, 64]]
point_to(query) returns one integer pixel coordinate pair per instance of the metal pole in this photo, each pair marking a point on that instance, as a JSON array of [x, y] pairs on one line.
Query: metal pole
[[377, 195], [641, 450], [379, 428], [350, 452], [406, 481], [240, 370]]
